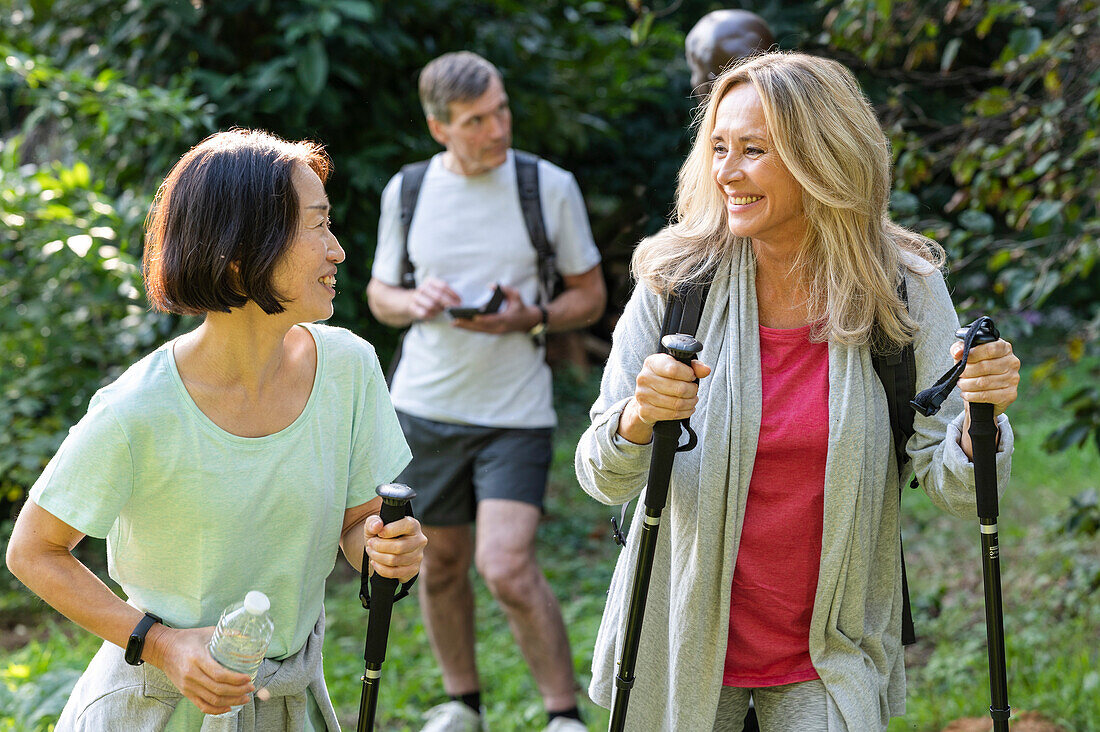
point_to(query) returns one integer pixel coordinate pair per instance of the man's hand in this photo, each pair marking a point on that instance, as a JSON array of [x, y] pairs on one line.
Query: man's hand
[[430, 298], [515, 317], [400, 307]]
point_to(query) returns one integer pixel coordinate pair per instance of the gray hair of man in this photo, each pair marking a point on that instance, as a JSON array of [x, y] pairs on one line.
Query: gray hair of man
[[461, 76]]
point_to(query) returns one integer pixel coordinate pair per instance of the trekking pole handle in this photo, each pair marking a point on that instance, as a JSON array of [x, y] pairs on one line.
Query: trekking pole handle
[[394, 498], [983, 433], [987, 332], [681, 347]]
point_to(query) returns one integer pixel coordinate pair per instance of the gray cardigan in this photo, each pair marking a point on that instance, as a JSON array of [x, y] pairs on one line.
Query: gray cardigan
[[113, 695], [855, 630]]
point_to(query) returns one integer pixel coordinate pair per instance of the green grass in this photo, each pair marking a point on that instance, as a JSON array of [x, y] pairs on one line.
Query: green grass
[[1052, 615], [1052, 619]]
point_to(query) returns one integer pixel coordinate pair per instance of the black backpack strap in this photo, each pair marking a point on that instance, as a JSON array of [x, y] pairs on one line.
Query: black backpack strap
[[897, 370], [527, 182], [908, 631], [682, 314], [685, 308], [898, 373], [412, 176]]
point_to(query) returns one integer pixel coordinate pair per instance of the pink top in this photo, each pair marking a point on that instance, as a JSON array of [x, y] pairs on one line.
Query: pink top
[[775, 579]]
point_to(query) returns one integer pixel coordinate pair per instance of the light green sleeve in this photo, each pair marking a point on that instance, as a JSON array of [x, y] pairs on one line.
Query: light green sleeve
[[91, 477], [379, 450]]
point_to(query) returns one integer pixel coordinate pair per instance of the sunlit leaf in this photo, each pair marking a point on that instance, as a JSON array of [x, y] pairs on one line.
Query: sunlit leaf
[[950, 51]]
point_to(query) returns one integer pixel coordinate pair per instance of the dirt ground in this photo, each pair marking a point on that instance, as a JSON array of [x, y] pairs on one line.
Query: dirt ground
[[1021, 722]]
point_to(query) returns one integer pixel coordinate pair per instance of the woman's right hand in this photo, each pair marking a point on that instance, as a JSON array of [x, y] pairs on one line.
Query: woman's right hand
[[183, 656], [665, 390]]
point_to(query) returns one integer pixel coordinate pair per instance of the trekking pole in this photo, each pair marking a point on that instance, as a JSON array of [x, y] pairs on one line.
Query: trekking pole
[[666, 437], [379, 602], [983, 437]]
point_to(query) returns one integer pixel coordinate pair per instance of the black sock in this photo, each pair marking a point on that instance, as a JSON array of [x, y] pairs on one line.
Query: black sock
[[573, 713], [472, 700]]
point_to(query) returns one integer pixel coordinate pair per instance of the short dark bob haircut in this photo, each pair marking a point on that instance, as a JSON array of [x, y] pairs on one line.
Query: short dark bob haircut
[[228, 201]]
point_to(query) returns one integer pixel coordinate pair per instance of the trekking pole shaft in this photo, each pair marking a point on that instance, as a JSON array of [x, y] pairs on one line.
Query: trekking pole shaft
[[368, 700], [665, 438], [374, 653], [983, 437], [382, 592]]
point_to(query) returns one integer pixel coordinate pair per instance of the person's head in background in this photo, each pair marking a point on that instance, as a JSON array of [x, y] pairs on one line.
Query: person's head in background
[[720, 38], [467, 111]]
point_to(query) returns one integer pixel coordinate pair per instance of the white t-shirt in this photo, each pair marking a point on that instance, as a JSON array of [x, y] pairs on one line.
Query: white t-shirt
[[469, 232], [195, 517]]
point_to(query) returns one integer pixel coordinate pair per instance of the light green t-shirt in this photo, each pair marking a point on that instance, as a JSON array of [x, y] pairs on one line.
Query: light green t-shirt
[[195, 517]]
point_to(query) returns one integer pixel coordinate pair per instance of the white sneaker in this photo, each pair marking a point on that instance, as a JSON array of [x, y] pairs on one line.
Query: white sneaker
[[566, 724], [452, 716]]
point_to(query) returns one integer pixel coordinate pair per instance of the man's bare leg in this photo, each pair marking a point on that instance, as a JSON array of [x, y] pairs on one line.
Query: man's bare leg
[[505, 557], [447, 605]]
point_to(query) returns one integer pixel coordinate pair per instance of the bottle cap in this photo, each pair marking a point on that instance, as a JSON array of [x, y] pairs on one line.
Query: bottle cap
[[256, 603]]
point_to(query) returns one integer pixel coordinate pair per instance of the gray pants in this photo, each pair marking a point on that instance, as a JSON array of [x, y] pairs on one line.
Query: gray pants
[[791, 708]]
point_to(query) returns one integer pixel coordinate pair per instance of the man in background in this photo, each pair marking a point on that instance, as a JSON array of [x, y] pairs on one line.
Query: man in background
[[473, 391]]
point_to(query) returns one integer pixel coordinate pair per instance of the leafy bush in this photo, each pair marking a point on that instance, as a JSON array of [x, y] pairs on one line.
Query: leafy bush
[[992, 108], [72, 314], [994, 113]]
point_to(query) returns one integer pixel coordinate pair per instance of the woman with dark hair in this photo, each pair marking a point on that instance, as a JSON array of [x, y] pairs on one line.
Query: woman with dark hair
[[777, 574], [235, 457]]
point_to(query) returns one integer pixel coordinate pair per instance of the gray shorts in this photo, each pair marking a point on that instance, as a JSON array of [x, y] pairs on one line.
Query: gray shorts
[[455, 465]]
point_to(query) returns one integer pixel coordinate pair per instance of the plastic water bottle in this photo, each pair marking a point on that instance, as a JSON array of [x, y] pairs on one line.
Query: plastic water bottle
[[242, 635]]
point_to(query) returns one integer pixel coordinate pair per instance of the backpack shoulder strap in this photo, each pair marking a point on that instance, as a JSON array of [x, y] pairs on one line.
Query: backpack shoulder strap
[[527, 181], [897, 370], [685, 307], [412, 176]]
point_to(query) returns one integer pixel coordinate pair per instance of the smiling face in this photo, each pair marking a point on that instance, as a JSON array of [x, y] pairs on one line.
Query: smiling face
[[306, 273], [479, 134], [763, 200]]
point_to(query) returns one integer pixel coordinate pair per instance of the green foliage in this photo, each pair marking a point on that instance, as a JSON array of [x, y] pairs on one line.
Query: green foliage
[[1084, 420], [994, 110], [36, 680], [1083, 516], [72, 314]]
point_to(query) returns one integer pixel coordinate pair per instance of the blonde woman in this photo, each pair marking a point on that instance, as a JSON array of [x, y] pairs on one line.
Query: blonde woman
[[777, 575]]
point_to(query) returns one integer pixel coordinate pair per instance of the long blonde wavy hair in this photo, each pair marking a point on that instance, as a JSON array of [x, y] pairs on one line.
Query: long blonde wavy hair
[[826, 133]]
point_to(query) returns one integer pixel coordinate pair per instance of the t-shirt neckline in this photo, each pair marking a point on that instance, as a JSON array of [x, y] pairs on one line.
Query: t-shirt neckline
[[798, 332], [208, 424]]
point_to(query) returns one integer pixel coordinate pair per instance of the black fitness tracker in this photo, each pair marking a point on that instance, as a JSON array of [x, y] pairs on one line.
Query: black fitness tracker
[[136, 644]]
